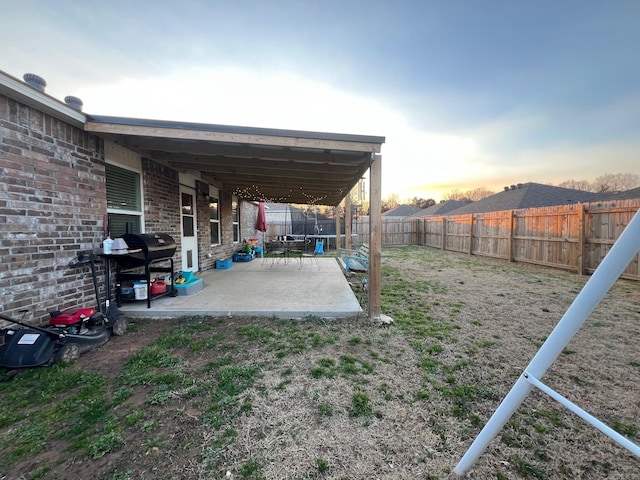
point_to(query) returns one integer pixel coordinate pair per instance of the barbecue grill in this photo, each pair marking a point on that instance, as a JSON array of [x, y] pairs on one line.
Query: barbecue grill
[[147, 253]]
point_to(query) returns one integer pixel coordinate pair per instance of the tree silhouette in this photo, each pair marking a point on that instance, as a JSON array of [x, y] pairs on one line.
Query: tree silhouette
[[609, 182]]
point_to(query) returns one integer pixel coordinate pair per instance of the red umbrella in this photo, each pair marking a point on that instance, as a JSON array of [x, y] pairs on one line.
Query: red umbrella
[[261, 223]]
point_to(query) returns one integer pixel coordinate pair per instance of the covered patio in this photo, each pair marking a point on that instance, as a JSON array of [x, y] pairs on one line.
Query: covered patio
[[272, 165], [264, 287]]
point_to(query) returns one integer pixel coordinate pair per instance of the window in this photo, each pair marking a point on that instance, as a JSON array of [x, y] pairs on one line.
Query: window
[[124, 200], [188, 215], [214, 220], [235, 211]]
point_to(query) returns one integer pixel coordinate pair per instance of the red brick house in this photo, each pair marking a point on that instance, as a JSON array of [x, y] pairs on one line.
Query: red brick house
[[65, 172]]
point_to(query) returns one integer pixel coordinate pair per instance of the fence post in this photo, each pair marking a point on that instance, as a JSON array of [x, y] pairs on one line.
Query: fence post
[[581, 239], [614, 263], [512, 215], [444, 231], [471, 234]]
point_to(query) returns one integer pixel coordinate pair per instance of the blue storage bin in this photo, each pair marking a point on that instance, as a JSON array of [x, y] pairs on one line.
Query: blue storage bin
[[224, 264]]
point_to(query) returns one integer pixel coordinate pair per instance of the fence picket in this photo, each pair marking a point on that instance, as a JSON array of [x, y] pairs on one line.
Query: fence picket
[[573, 237]]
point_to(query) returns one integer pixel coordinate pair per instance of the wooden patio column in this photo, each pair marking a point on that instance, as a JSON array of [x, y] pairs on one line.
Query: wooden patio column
[[337, 210], [347, 221], [375, 236]]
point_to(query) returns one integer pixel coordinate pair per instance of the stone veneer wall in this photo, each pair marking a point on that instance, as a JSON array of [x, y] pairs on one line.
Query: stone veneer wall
[[52, 201], [248, 217]]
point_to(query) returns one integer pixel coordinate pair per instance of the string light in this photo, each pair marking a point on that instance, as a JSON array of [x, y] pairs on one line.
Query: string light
[[255, 192]]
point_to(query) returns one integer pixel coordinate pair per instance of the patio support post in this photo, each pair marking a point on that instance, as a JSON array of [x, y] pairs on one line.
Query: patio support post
[[375, 236], [347, 221], [338, 209]]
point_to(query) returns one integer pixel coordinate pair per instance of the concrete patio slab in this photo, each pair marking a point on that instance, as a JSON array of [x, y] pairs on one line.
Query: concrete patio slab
[[282, 288]]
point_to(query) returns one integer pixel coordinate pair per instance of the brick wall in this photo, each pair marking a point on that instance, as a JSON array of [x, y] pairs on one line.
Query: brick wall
[[161, 199], [52, 201], [162, 214], [248, 213]]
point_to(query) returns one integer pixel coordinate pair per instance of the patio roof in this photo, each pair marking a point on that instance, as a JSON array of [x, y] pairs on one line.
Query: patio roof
[[288, 166]]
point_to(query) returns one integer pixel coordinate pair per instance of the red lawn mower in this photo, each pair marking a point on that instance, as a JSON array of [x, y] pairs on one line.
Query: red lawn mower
[[70, 332]]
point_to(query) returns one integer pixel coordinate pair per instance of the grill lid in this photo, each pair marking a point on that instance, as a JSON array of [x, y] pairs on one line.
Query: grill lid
[[151, 245]]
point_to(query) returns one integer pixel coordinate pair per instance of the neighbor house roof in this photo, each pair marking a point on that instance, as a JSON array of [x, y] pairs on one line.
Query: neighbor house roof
[[628, 194], [527, 195], [265, 164], [401, 211], [440, 208]]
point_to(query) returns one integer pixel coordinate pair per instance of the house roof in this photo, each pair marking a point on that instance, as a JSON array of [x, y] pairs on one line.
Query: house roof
[[439, 208], [628, 194], [527, 195], [264, 164], [401, 211], [23, 93]]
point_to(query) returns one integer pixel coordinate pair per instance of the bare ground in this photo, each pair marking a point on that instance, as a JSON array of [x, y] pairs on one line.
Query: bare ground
[[465, 328]]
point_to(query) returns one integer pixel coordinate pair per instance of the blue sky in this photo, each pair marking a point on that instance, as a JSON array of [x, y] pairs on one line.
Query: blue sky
[[467, 93]]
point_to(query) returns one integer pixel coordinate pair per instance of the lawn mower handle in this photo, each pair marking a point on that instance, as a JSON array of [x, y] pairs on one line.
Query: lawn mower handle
[[40, 329]]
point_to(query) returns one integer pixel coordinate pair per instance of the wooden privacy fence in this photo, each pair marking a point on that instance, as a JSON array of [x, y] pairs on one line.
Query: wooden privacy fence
[[572, 237]]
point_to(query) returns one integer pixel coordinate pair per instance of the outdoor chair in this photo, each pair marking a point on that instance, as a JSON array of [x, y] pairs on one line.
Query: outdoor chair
[[311, 256], [356, 261], [275, 251], [300, 247]]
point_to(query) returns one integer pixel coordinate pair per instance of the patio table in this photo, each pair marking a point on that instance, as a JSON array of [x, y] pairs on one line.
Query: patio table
[[285, 248]]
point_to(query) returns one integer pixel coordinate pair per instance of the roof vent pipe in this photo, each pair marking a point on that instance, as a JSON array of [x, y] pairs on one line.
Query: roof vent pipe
[[506, 189], [74, 102], [35, 81], [513, 187]]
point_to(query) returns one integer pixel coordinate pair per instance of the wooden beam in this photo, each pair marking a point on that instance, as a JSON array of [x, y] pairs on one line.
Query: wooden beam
[[512, 225], [172, 150], [470, 234], [375, 237], [213, 136], [347, 221], [338, 209], [582, 250], [444, 233], [259, 167]]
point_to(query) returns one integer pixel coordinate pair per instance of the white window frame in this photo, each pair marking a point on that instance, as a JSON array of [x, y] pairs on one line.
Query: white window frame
[[215, 222], [235, 217]]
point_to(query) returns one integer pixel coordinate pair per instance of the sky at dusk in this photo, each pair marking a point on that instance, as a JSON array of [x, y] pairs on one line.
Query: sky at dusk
[[467, 93]]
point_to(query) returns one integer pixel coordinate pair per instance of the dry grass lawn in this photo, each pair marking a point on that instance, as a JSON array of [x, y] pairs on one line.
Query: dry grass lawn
[[264, 398]]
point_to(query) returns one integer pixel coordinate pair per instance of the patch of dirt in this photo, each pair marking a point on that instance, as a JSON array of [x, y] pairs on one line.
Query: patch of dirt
[[465, 328], [109, 359]]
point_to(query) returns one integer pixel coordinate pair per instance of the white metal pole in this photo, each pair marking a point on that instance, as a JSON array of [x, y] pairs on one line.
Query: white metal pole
[[587, 417], [614, 263]]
